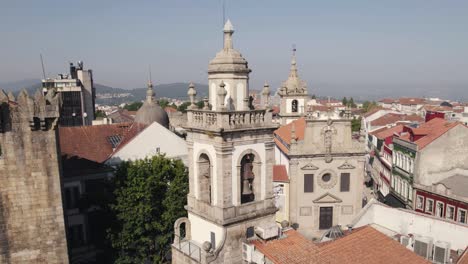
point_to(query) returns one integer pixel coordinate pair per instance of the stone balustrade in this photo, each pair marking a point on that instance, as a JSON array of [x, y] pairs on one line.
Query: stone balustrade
[[228, 120]]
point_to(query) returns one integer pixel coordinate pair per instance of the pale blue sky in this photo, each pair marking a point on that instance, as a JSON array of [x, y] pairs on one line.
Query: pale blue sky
[[346, 45]]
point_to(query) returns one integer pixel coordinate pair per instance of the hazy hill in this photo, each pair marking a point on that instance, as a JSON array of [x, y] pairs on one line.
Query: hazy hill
[[110, 95]]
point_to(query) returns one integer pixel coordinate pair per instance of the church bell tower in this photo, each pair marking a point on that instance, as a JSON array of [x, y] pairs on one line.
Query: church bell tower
[[231, 157]]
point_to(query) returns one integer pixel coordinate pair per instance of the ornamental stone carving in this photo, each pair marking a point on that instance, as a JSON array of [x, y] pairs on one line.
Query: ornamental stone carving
[[327, 179]]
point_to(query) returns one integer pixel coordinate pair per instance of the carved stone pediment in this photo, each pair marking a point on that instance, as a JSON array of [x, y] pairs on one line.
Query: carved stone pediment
[[310, 166], [346, 166], [328, 198]]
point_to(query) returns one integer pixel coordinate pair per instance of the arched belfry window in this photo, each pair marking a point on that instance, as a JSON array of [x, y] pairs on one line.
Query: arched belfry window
[[294, 105], [247, 178], [204, 178]]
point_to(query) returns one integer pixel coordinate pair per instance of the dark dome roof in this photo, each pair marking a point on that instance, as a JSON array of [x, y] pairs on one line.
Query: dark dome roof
[[151, 112]]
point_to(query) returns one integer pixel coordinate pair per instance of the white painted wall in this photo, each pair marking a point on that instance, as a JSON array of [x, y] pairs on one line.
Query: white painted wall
[[198, 149], [406, 222], [236, 157], [201, 229], [281, 158], [146, 143]]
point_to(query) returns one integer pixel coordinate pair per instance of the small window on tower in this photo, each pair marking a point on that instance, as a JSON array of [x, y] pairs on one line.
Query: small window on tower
[[294, 106], [250, 232]]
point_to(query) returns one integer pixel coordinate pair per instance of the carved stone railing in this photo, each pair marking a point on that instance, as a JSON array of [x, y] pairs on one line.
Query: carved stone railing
[[216, 120]]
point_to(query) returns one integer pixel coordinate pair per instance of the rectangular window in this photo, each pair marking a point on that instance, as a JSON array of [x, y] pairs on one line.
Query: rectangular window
[[461, 216], [450, 212], [429, 206], [308, 183], [420, 202], [344, 183], [76, 237], [440, 209], [72, 195]]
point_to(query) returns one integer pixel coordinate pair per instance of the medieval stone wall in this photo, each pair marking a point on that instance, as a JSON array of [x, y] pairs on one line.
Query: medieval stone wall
[[32, 226]]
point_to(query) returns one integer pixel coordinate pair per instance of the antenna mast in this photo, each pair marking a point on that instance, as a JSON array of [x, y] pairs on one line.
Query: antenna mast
[[43, 68]]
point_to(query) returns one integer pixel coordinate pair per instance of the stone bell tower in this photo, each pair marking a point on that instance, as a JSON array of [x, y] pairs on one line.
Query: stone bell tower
[[231, 156], [31, 215], [293, 94]]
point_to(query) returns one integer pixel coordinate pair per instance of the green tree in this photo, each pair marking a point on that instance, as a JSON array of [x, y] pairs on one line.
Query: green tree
[[163, 103], [368, 106], [150, 195], [356, 124], [200, 104], [344, 101], [133, 106], [314, 96], [183, 107], [351, 103], [100, 114]]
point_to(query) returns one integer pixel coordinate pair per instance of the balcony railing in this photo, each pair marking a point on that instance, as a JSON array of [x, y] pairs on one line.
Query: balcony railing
[[188, 248], [211, 120]]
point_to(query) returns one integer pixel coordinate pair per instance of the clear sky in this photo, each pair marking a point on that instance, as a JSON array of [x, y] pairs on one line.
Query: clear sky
[[359, 44]]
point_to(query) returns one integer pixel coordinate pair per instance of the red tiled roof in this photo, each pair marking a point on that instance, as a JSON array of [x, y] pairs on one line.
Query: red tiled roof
[[132, 132], [432, 130], [92, 142], [362, 245], [292, 249], [387, 100], [464, 257], [392, 118], [372, 111], [411, 101], [367, 245], [387, 132], [284, 133], [437, 108], [280, 174], [170, 109]]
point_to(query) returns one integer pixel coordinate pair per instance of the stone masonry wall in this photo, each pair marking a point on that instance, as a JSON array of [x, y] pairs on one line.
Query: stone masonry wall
[[31, 214]]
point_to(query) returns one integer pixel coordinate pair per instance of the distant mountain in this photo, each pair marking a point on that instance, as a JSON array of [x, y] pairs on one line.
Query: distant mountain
[[114, 96], [19, 85]]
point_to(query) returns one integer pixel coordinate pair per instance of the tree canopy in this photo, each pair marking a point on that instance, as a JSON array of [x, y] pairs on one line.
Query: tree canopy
[[150, 195], [133, 106], [183, 107]]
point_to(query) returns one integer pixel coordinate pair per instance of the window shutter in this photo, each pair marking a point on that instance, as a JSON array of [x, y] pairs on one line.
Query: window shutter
[[344, 186], [308, 183]]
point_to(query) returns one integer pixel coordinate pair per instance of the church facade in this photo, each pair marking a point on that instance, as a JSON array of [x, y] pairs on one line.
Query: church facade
[[325, 167], [231, 157]]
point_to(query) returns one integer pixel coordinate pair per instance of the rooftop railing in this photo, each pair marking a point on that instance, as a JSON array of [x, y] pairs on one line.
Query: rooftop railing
[[212, 120]]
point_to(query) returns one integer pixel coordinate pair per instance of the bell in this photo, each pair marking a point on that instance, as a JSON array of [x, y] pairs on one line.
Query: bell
[[248, 173], [246, 190]]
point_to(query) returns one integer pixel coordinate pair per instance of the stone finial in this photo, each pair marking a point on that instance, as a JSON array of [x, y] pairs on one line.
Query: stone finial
[[293, 133], [266, 95], [221, 95], [228, 31], [192, 93], [3, 97], [150, 92], [206, 105], [11, 96]]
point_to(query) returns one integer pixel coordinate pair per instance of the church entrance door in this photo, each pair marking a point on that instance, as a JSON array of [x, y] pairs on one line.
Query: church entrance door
[[326, 217]]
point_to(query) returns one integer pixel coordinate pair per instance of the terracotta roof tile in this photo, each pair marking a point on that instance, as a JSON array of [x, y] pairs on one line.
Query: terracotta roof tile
[[292, 249], [373, 111], [362, 245], [93, 142], [367, 245], [411, 101], [280, 174], [387, 100], [285, 131], [387, 132], [433, 130], [464, 257], [392, 118]]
